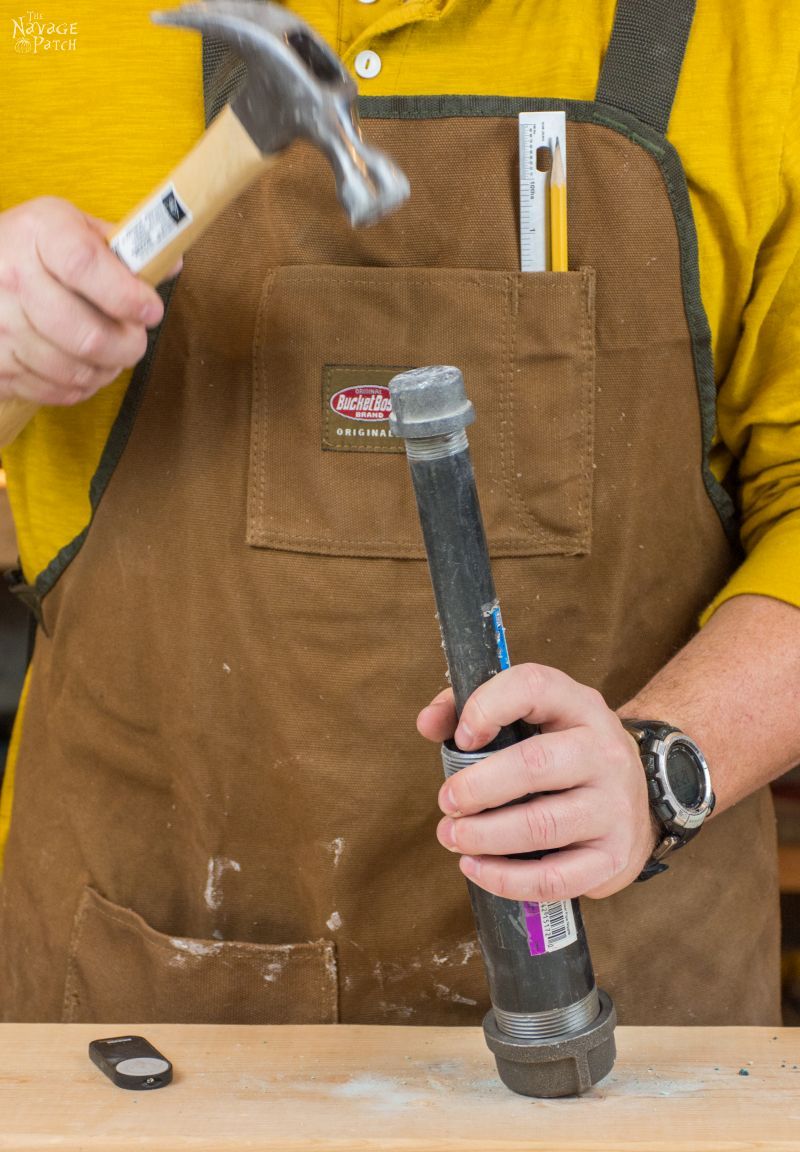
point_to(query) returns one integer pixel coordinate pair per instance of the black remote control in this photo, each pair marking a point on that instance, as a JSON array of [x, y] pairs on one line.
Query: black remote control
[[131, 1062]]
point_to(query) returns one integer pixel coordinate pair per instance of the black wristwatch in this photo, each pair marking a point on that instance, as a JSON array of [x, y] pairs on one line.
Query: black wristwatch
[[678, 784]]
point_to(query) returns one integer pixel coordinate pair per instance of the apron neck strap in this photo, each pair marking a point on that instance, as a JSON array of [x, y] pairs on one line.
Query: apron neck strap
[[643, 63], [223, 74], [640, 71]]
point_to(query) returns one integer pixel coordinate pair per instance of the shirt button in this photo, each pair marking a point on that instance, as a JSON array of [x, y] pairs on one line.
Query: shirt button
[[366, 1], [368, 64]]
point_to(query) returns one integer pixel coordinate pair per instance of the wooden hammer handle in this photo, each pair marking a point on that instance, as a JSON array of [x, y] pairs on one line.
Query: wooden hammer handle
[[151, 239]]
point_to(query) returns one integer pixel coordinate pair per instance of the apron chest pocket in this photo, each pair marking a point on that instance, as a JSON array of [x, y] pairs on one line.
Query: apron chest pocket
[[325, 476]]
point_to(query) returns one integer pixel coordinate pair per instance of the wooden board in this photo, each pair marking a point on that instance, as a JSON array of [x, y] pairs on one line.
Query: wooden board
[[411, 1089]]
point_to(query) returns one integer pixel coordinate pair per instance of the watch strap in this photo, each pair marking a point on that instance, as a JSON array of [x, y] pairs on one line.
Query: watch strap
[[644, 733]]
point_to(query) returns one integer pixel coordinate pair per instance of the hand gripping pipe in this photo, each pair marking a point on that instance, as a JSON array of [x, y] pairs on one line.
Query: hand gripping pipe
[[550, 1028]]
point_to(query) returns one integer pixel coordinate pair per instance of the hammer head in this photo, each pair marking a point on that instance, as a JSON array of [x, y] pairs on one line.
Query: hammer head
[[297, 87]]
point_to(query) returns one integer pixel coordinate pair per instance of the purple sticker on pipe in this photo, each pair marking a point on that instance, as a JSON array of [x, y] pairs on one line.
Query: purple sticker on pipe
[[534, 928], [549, 926]]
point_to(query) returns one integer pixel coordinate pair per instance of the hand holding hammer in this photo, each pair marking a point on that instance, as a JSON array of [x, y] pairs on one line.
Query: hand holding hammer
[[70, 317]]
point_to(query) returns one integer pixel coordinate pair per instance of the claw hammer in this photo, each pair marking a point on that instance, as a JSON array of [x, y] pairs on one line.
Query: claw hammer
[[296, 88]]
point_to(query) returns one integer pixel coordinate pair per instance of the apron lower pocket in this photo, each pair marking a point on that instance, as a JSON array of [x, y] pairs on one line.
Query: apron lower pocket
[[325, 474], [122, 970]]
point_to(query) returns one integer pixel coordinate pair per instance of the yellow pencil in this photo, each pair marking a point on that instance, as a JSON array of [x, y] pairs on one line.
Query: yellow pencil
[[558, 213]]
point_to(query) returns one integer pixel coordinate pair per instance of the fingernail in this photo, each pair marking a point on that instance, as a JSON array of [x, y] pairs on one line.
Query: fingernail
[[446, 835], [448, 803], [465, 737], [151, 314], [470, 867]]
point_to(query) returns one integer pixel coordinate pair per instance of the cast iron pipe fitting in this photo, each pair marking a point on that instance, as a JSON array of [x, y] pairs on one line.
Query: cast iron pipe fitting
[[550, 1028]]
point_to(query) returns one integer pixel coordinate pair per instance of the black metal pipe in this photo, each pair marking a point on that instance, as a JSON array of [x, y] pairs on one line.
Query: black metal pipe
[[550, 1028], [458, 561]]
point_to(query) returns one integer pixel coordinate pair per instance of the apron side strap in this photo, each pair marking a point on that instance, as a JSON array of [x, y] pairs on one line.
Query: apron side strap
[[223, 74], [642, 66], [25, 593]]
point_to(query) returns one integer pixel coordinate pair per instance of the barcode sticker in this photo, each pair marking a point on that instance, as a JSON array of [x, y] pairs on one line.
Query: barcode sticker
[[161, 219], [549, 926]]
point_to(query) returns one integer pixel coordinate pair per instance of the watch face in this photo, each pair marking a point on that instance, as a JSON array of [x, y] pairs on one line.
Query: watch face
[[685, 775]]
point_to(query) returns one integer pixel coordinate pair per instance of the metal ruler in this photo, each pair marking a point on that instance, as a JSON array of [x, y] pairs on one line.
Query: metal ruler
[[537, 130]]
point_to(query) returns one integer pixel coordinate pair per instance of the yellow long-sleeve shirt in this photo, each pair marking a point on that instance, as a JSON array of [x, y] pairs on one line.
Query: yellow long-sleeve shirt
[[101, 121]]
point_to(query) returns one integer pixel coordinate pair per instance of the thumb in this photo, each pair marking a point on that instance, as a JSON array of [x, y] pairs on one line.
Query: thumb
[[437, 721]]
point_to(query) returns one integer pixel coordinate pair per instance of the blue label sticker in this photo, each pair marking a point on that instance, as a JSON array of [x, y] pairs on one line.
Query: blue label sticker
[[499, 634]]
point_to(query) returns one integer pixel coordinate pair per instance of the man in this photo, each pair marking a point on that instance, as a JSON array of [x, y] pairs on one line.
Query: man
[[220, 813]]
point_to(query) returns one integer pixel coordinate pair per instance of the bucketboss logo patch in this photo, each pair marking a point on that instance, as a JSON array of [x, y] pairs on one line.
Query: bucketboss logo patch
[[356, 408], [363, 402]]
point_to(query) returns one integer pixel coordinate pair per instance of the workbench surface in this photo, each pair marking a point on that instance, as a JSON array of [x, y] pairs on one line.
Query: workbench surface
[[415, 1089]]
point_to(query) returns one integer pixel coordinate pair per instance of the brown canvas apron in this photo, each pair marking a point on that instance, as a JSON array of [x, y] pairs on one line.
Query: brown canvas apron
[[223, 811]]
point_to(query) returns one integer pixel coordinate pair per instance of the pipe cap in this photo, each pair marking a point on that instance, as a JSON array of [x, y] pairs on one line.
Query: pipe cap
[[429, 402], [564, 1066]]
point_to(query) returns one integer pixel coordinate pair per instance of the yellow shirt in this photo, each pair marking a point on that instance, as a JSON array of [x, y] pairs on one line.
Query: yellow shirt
[[102, 121]]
